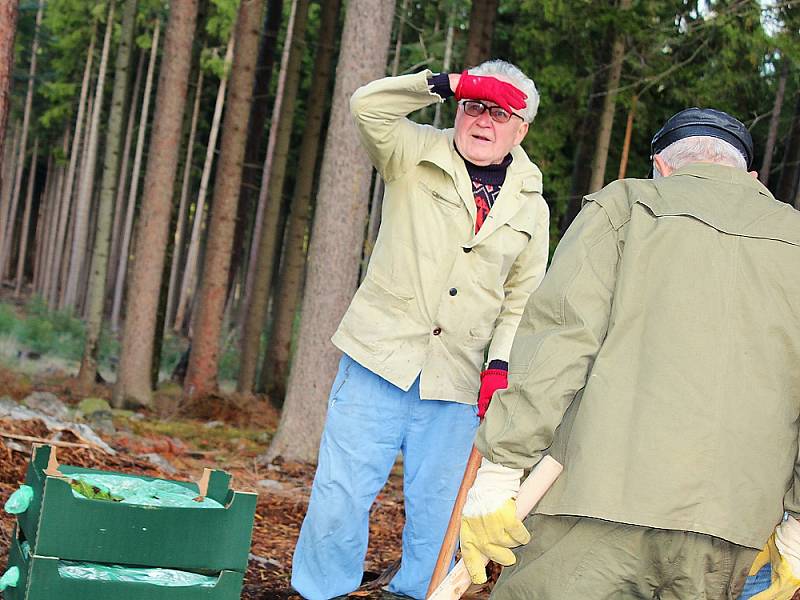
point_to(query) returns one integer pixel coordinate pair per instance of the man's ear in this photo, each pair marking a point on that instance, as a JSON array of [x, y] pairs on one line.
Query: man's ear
[[754, 174], [662, 166], [521, 132]]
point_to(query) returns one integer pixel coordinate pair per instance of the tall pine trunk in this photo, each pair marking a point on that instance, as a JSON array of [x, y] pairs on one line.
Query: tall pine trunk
[[8, 234], [26, 221], [83, 206], [273, 188], [275, 369], [66, 199], [123, 256], [481, 31], [9, 13], [180, 227], [609, 106], [791, 160], [133, 381], [100, 254], [201, 375], [7, 184], [772, 135], [335, 250], [189, 279]]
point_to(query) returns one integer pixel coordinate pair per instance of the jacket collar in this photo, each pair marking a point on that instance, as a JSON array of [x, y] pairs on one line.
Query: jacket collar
[[522, 176], [724, 174]]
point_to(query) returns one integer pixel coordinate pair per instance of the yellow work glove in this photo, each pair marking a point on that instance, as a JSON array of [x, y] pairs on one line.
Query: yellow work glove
[[489, 524], [784, 553]]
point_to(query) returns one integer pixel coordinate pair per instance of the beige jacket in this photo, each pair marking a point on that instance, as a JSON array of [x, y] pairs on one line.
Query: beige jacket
[[436, 295], [669, 324]]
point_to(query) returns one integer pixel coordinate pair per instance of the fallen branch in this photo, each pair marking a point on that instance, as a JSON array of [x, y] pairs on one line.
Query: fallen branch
[[36, 440]]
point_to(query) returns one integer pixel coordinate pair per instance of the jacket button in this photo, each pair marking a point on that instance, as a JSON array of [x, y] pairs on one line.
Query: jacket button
[[453, 291], [467, 250], [437, 331]]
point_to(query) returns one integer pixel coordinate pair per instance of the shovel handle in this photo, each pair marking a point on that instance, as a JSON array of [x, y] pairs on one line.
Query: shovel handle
[[533, 488], [454, 525]]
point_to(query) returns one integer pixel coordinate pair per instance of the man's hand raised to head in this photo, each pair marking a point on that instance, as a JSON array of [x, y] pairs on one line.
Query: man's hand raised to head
[[478, 87]]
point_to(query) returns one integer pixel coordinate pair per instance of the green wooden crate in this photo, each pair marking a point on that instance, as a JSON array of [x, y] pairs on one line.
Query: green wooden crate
[[40, 580], [57, 524]]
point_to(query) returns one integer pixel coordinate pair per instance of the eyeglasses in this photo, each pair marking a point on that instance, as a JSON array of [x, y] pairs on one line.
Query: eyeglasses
[[475, 108]]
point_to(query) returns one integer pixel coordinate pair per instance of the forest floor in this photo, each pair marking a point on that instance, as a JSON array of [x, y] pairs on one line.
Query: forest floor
[[176, 441]]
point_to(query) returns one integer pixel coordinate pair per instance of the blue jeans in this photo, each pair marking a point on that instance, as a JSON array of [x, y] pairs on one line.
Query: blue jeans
[[757, 583], [369, 421]]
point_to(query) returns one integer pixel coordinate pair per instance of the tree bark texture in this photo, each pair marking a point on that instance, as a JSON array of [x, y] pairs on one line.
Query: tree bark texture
[[7, 184], [133, 382], [83, 207], [272, 186], [9, 13], [253, 159], [336, 242], [791, 161], [275, 369], [201, 375], [609, 105], [26, 220], [774, 121], [482, 17], [66, 200], [189, 279], [105, 209], [6, 245]]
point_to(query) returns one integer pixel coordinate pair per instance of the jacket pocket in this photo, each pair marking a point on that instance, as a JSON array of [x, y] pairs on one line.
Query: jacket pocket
[[439, 198]]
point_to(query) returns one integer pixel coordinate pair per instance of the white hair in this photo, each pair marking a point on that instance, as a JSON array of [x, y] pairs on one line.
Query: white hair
[[701, 148], [518, 78]]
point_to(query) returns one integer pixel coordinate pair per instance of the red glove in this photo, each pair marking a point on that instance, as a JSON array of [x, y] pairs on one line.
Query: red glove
[[477, 87], [491, 381]]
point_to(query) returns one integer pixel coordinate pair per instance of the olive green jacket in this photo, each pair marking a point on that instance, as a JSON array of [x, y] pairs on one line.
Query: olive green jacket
[[436, 295], [672, 311]]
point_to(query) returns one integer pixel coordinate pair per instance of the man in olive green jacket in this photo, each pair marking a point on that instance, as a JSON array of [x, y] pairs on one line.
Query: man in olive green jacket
[[658, 362], [462, 244]]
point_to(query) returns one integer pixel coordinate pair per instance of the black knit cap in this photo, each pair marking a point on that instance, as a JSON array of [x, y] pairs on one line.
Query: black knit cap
[[704, 121]]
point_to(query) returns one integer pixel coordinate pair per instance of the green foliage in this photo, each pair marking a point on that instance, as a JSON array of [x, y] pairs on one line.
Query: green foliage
[[8, 319]]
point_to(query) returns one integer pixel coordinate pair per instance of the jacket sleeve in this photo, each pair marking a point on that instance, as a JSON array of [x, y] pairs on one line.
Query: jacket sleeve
[[379, 109], [559, 336], [524, 277]]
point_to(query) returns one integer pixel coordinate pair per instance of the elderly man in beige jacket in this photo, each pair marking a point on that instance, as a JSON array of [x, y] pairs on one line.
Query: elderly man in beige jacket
[[462, 244]]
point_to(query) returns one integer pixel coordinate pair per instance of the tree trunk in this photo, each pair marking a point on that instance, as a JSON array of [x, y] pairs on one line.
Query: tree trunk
[[266, 170], [626, 146], [481, 31], [42, 224], [9, 12], [791, 160], [182, 207], [609, 105], [7, 185], [273, 187], [253, 159], [189, 279], [275, 369], [201, 374], [127, 227], [448, 56], [133, 381], [5, 246], [83, 206], [772, 136], [100, 254], [54, 211], [122, 180], [336, 243], [66, 200], [26, 220]]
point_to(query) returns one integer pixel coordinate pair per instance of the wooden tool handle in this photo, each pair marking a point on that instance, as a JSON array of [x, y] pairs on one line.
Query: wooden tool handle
[[454, 525], [534, 487]]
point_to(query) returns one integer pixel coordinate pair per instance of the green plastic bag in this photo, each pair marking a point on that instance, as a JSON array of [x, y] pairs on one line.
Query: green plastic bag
[[133, 490], [19, 501], [163, 577], [9, 579]]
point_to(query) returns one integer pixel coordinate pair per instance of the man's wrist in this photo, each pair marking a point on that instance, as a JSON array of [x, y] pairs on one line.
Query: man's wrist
[[441, 84], [497, 364]]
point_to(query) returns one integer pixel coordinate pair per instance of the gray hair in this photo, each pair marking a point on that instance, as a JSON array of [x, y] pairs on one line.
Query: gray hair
[[701, 148], [518, 78]]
